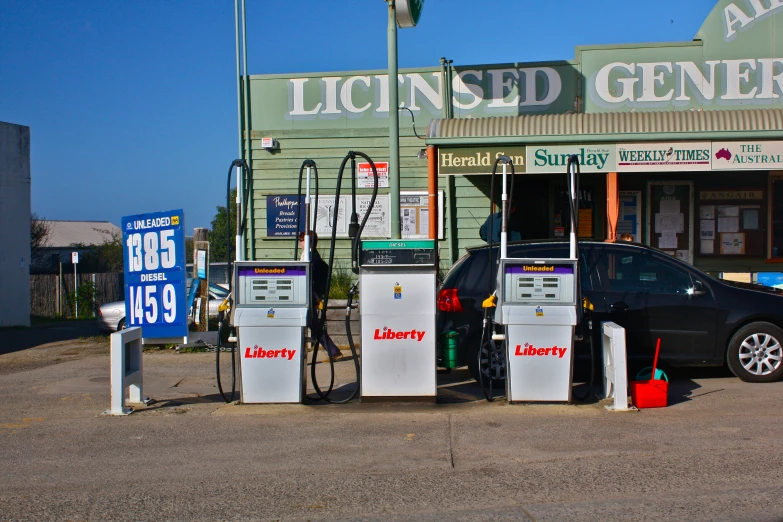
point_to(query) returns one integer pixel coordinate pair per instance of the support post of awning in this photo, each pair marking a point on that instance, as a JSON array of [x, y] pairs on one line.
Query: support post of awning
[[612, 206]]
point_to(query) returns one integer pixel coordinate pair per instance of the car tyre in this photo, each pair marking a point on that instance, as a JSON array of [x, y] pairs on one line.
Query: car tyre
[[755, 353], [499, 365], [121, 325]]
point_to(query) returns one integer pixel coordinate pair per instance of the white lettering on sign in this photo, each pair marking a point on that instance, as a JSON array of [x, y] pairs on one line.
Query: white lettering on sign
[[737, 19], [642, 83], [518, 87]]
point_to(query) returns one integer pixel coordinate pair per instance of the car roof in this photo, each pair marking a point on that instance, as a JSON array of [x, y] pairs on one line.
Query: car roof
[[563, 241]]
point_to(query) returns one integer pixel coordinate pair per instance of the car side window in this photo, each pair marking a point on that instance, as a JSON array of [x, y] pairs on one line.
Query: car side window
[[643, 272]]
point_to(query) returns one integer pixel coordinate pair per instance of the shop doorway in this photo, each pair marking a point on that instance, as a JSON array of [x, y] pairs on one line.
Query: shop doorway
[[531, 193]]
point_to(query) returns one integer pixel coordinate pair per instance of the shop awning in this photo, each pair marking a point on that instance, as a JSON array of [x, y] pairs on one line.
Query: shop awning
[[607, 127]]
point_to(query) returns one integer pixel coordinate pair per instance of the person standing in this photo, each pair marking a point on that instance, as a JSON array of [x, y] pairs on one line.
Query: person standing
[[319, 272], [497, 226]]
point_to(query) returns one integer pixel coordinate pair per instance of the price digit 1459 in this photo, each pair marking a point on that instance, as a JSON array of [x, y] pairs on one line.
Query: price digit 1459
[[145, 307]]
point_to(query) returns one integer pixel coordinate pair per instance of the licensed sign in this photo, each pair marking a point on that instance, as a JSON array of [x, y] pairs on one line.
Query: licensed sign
[[154, 258]]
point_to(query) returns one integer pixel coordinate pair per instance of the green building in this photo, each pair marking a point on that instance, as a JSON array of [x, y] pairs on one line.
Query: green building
[[681, 144]]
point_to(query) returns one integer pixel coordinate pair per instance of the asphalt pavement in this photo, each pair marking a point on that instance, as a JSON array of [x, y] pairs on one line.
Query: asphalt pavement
[[713, 454]]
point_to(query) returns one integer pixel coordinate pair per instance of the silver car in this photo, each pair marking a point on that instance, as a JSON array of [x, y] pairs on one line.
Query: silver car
[[111, 316]]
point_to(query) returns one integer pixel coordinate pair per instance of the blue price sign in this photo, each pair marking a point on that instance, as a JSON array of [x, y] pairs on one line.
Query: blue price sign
[[155, 273]]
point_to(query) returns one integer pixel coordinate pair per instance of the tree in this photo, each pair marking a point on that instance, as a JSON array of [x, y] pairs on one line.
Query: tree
[[217, 236], [40, 230]]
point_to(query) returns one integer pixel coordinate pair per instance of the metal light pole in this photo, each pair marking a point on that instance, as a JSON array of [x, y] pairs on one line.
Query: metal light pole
[[394, 125], [406, 13]]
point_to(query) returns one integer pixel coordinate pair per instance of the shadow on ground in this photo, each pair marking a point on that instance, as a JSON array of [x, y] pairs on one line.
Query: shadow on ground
[[18, 339]]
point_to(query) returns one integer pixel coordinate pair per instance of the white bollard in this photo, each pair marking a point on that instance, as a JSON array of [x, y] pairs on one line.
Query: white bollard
[[615, 367], [126, 370]]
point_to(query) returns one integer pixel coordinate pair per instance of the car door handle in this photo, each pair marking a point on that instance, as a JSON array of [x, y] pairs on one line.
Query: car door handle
[[619, 307]]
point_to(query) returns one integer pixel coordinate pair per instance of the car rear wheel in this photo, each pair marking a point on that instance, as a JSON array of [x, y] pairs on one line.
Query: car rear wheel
[[121, 324], [755, 353], [489, 363]]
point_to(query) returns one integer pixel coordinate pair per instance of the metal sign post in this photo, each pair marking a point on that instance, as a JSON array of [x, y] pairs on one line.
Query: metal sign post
[[75, 261]]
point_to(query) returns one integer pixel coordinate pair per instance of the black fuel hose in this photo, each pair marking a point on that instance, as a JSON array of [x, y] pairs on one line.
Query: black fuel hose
[[325, 395], [493, 351], [246, 173], [573, 181]]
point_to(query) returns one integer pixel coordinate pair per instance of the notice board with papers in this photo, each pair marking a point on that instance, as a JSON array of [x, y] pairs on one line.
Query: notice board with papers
[[670, 218], [731, 222]]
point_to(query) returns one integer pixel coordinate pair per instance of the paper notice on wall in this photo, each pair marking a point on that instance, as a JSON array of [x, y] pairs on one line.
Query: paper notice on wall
[[707, 212], [728, 224], [728, 211], [668, 240], [669, 223], [682, 255], [424, 221], [670, 206], [379, 222], [408, 221], [707, 247], [750, 219], [707, 229], [732, 244]]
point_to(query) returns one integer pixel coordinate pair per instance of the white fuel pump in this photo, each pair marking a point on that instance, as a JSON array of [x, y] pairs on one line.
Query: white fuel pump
[[539, 303], [398, 282], [270, 313]]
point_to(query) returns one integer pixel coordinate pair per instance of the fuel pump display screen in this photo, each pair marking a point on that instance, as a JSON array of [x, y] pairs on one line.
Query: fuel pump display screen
[[266, 284], [539, 283], [385, 253]]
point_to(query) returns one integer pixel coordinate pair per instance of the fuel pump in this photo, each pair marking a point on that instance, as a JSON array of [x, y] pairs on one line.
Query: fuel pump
[[272, 305], [355, 230], [539, 304]]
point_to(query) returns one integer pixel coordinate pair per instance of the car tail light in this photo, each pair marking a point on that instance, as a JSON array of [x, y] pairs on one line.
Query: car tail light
[[448, 300]]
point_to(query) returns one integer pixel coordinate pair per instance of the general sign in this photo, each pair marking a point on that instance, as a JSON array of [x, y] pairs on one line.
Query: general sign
[[155, 273]]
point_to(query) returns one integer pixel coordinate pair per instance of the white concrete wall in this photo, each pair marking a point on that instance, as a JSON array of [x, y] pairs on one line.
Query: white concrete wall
[[15, 228]]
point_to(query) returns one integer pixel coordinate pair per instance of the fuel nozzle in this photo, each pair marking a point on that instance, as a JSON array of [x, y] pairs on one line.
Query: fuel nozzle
[[353, 226]]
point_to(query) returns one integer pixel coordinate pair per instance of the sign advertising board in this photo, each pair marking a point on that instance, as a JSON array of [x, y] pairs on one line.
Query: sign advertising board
[[478, 160], [747, 155], [546, 159], [154, 258], [283, 214], [365, 176], [278, 224], [663, 157]]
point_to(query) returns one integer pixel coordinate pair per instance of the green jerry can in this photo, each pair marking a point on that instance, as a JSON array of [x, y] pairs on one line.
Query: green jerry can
[[448, 347]]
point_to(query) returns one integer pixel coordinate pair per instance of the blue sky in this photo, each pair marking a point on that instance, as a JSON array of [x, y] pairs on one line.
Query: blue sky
[[132, 104]]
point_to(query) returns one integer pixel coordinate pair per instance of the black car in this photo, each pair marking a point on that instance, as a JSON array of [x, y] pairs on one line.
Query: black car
[[701, 321]]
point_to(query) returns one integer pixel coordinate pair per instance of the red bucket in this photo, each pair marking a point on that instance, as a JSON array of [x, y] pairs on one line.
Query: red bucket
[[650, 394], [653, 393]]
